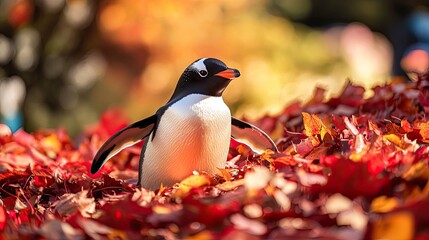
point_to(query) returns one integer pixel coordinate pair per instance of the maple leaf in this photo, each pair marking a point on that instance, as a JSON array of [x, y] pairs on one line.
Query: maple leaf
[[355, 165], [313, 127], [71, 203]]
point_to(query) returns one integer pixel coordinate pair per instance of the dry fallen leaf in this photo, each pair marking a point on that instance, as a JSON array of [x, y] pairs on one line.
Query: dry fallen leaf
[[190, 182], [355, 167], [71, 203]]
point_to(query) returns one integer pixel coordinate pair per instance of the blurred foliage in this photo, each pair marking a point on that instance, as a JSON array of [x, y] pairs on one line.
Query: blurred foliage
[[403, 22], [54, 51], [279, 61], [80, 57]]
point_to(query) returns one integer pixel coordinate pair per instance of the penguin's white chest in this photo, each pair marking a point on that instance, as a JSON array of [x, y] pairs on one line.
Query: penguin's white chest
[[193, 134]]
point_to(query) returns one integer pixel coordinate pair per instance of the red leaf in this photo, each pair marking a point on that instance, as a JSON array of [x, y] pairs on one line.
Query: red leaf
[[304, 147], [352, 179], [113, 120], [42, 181], [3, 216], [329, 160]]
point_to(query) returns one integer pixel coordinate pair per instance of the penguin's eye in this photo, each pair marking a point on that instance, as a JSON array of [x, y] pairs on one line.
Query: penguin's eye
[[203, 73]]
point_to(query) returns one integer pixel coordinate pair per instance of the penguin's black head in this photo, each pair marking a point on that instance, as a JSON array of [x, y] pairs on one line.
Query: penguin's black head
[[208, 76]]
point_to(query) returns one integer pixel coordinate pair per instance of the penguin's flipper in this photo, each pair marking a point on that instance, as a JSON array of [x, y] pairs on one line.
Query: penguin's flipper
[[126, 137], [252, 136]]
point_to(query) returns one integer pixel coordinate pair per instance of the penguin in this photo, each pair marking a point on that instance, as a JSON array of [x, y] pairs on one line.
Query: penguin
[[190, 133]]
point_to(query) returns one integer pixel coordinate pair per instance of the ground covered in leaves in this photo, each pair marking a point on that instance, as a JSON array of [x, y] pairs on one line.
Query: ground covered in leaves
[[349, 168]]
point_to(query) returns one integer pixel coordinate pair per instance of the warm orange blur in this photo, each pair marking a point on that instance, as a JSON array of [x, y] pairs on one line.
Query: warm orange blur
[[78, 58], [279, 61]]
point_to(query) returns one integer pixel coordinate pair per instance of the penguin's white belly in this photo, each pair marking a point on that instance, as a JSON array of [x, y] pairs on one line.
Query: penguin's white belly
[[193, 134]]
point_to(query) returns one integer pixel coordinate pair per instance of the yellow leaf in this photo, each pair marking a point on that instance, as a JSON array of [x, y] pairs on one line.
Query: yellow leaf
[[190, 182], [395, 139], [51, 142], [417, 170], [399, 225], [196, 181], [267, 155], [383, 204], [312, 127]]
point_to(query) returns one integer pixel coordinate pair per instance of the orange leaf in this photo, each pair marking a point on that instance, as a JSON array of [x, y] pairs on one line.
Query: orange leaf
[[424, 130], [406, 126], [395, 139], [312, 127], [51, 142], [399, 225], [312, 124], [225, 174], [384, 204]]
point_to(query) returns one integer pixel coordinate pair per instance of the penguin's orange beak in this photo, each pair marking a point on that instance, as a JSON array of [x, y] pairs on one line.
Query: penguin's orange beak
[[229, 73]]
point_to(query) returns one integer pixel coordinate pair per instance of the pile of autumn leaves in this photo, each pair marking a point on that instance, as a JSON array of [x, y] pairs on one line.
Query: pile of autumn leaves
[[349, 168]]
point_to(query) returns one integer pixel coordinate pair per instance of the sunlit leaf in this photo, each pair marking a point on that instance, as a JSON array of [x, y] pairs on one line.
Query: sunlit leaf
[[190, 182], [384, 204], [361, 174], [399, 225]]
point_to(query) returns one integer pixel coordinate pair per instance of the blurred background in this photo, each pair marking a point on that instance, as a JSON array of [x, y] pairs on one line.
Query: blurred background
[[64, 62]]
